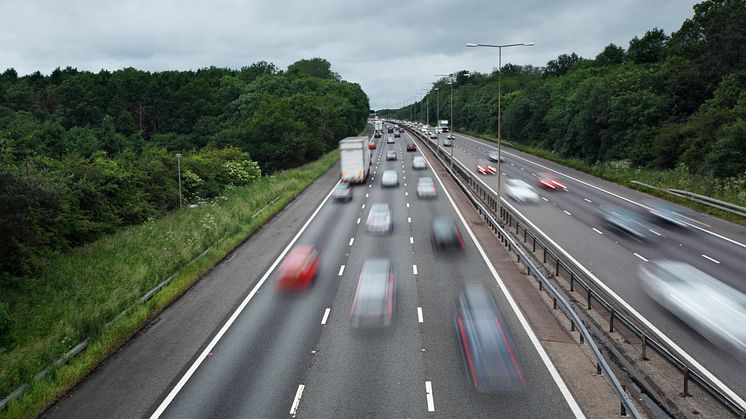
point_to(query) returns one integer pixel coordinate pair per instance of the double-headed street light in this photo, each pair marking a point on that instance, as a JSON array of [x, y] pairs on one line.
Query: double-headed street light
[[499, 102]]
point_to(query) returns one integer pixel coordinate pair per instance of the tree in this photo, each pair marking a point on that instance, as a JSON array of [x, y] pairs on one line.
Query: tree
[[612, 54], [649, 49], [561, 65], [315, 67]]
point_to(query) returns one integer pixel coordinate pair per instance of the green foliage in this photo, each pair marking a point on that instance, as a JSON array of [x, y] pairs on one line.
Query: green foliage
[[84, 154], [667, 102], [7, 326]]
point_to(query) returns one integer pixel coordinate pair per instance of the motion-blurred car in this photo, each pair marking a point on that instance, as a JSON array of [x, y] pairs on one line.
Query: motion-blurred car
[[390, 129], [433, 135], [418, 163], [448, 142], [426, 188], [712, 308], [379, 219], [521, 191], [375, 295], [668, 213], [298, 270], [389, 178], [377, 134], [372, 145], [626, 221], [411, 147], [342, 192], [550, 182], [487, 350], [446, 235], [486, 168], [450, 137], [391, 155], [493, 156], [397, 134], [390, 140]]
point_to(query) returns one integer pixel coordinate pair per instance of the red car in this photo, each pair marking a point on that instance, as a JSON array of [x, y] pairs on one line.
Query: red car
[[372, 145], [298, 270], [549, 181], [411, 147], [486, 168]]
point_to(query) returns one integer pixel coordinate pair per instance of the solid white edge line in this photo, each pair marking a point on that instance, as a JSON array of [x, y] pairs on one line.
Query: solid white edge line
[[614, 194], [639, 256], [296, 400], [419, 315], [341, 270], [188, 374], [414, 269], [429, 395], [571, 402], [710, 259], [326, 315], [597, 230]]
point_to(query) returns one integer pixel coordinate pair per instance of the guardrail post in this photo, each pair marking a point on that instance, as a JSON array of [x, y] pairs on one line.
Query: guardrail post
[[517, 225], [525, 232], [545, 255], [580, 335], [556, 273], [611, 320], [644, 347], [686, 383], [589, 298], [533, 249], [572, 278], [598, 368], [554, 305], [623, 410]]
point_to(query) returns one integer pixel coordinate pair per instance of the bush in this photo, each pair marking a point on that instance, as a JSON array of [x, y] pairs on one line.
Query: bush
[[7, 324]]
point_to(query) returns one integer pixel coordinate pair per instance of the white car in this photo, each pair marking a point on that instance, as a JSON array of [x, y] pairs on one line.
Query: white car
[[389, 178], [426, 188], [379, 219], [521, 191], [418, 163]]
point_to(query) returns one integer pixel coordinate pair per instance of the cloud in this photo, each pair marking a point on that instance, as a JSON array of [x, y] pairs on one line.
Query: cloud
[[391, 48]]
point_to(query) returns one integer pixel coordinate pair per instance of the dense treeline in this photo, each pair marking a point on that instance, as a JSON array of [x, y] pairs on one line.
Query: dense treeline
[[82, 154], [663, 102]]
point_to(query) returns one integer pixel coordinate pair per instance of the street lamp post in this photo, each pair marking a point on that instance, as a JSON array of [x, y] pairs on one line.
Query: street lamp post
[[178, 162], [499, 103], [437, 120]]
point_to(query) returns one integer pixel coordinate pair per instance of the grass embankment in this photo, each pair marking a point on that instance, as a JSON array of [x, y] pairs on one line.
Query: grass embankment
[[731, 190], [78, 293]]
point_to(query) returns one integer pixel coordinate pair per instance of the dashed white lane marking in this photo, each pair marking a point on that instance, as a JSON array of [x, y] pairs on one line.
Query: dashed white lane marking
[[544, 199], [597, 230], [370, 186], [409, 219], [366, 194], [414, 269], [341, 270], [405, 192], [352, 240], [363, 206], [429, 394], [522, 168], [710, 259], [587, 200], [419, 315], [326, 315], [638, 255], [565, 211], [296, 400], [407, 204], [411, 240], [654, 232], [358, 220]]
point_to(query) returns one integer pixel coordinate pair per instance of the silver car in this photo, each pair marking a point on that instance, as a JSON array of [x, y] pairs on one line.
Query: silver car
[[389, 178], [375, 296], [379, 219], [712, 308], [418, 163], [426, 188], [521, 191]]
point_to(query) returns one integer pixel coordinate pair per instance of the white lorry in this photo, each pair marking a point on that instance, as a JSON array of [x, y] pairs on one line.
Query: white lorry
[[355, 159], [443, 125]]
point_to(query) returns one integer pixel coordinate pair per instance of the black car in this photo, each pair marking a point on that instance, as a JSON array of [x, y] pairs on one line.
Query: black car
[[487, 350], [397, 135]]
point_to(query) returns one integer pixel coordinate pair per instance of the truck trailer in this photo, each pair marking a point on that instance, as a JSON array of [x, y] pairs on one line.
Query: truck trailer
[[355, 159], [443, 125]]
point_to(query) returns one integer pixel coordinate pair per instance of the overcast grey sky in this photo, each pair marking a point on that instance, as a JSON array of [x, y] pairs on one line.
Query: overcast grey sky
[[391, 48]]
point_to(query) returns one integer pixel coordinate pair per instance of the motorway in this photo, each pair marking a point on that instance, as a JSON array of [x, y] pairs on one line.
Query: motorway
[[298, 355], [571, 220]]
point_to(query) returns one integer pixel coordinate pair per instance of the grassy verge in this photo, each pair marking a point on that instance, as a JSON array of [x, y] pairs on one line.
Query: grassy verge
[[77, 294], [731, 190]]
